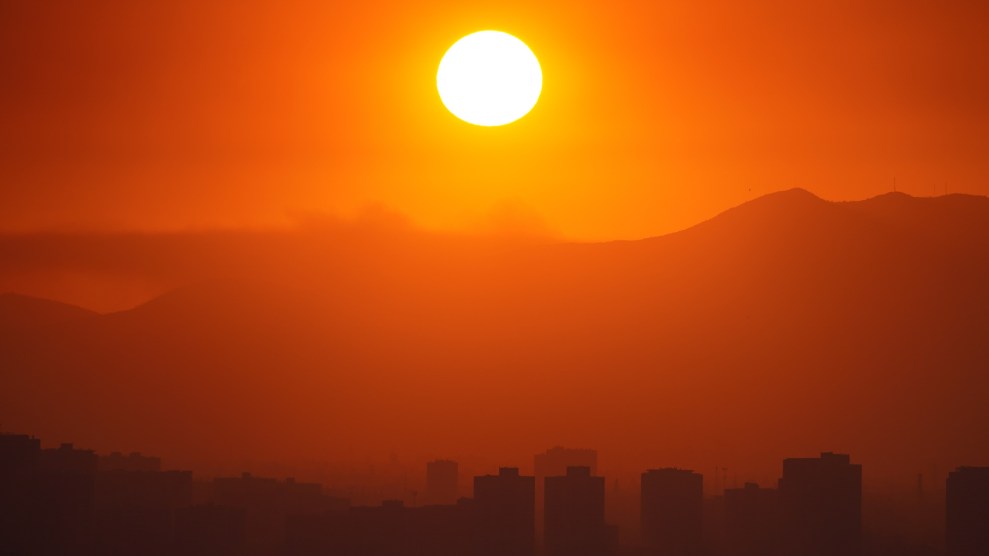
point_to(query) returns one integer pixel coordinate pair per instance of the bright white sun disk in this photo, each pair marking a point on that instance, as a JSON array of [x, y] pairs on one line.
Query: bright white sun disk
[[489, 78]]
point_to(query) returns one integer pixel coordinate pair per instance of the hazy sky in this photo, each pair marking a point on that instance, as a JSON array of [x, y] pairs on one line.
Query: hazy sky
[[121, 115]]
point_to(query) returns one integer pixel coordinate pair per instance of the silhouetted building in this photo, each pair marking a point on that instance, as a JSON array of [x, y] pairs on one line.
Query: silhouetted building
[[713, 525], [166, 490], [363, 530], [751, 520], [67, 498], [268, 503], [441, 482], [504, 510], [672, 511], [967, 512], [19, 508], [390, 529], [821, 505], [574, 515], [66, 459], [19, 455], [133, 461], [295, 498], [134, 510], [258, 497], [210, 530], [555, 461], [442, 530]]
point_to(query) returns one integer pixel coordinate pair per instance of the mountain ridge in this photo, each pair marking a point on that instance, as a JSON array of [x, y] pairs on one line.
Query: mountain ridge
[[776, 316], [19, 312]]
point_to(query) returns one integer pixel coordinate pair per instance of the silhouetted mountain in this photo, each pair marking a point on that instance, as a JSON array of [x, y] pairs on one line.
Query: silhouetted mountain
[[785, 325], [19, 312]]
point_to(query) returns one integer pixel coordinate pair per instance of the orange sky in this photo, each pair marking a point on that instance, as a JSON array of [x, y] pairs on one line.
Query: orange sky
[[655, 115]]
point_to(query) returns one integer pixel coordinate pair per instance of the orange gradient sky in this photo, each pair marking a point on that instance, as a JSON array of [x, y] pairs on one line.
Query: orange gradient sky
[[121, 115]]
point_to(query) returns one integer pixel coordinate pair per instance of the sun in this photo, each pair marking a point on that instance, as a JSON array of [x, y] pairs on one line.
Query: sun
[[489, 78]]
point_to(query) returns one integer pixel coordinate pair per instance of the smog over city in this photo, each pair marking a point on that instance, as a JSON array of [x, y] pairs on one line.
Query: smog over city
[[439, 278]]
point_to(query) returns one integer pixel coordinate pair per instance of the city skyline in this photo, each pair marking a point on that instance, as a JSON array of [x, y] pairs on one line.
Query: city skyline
[[494, 278], [809, 513]]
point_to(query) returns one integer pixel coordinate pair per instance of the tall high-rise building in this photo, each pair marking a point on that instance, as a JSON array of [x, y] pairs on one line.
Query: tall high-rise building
[[751, 521], [441, 482], [672, 511], [19, 507], [574, 515], [967, 512], [555, 461], [821, 505], [67, 490], [504, 512]]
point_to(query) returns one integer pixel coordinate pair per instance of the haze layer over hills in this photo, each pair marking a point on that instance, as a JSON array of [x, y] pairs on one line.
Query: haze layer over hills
[[788, 325]]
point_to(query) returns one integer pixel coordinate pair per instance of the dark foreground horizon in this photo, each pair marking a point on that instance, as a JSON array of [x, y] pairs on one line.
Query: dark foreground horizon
[[67, 500]]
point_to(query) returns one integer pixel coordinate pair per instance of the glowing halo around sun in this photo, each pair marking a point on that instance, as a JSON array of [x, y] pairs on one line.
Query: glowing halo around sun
[[489, 78]]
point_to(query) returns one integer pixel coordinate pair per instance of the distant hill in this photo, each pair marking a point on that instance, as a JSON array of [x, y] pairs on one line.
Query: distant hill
[[786, 325], [20, 312]]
